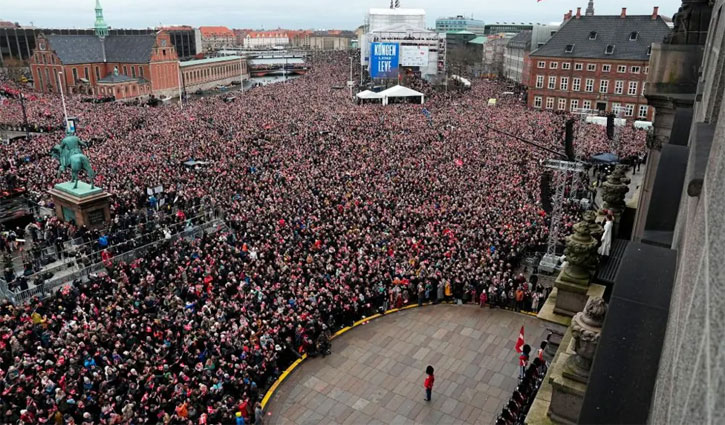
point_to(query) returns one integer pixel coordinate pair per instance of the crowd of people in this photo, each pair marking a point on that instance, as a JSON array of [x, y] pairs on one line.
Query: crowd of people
[[334, 211]]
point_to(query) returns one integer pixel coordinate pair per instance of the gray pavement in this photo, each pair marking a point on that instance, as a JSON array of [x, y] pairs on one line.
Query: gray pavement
[[376, 371]]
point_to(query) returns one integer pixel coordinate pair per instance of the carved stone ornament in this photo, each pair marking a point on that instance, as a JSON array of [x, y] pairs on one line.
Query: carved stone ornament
[[580, 252], [586, 329]]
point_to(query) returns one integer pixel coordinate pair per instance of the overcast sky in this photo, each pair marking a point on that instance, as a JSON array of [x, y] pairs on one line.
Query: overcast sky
[[317, 14]]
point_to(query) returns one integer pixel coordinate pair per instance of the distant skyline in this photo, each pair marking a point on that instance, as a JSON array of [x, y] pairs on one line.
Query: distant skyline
[[293, 14]]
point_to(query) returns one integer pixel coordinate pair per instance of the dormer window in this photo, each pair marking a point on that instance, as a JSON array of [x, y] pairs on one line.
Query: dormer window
[[609, 50], [633, 36], [569, 48], [649, 50], [593, 35]]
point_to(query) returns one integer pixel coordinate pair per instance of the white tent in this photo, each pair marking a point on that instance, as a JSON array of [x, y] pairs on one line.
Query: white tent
[[399, 92], [367, 94]]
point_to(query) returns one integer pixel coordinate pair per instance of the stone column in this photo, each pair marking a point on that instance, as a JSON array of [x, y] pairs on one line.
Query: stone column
[[574, 278]]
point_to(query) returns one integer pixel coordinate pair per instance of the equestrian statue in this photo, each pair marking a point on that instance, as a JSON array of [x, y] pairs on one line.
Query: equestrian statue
[[69, 153]]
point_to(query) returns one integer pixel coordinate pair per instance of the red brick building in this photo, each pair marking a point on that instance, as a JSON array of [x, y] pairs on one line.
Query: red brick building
[[596, 62], [124, 66]]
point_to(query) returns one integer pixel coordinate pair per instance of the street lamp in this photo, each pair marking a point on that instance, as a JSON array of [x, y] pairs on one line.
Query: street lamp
[[25, 117], [62, 97], [349, 82]]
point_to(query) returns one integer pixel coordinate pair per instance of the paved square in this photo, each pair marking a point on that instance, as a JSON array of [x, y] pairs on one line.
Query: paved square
[[376, 371]]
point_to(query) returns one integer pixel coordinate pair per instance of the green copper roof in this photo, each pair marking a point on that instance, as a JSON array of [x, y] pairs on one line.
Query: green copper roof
[[209, 60], [100, 26], [479, 40]]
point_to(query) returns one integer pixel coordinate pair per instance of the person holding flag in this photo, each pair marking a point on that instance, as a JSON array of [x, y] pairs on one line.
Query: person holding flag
[[523, 350]]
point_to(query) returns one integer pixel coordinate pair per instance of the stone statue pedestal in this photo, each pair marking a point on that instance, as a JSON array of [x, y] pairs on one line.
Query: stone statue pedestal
[[572, 294], [82, 205]]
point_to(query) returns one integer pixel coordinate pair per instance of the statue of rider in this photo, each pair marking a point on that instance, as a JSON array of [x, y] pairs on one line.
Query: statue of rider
[[70, 145]]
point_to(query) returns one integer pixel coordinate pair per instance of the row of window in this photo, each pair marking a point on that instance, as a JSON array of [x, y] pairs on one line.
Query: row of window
[[576, 82], [209, 72], [626, 109], [592, 67]]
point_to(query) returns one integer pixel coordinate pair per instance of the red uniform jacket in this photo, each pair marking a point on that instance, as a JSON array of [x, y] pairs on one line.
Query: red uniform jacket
[[429, 381]]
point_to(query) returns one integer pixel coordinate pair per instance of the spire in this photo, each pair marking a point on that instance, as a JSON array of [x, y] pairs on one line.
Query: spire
[[590, 9], [101, 27]]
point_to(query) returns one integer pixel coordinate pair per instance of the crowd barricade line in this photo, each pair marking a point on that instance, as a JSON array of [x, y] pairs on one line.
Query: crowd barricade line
[[270, 392]]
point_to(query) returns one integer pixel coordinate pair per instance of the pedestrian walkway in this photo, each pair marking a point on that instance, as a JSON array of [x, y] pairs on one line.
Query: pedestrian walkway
[[375, 373]]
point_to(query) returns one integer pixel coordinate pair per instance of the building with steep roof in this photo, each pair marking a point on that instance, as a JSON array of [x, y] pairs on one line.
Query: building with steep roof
[[215, 38], [106, 64], [265, 39], [598, 63]]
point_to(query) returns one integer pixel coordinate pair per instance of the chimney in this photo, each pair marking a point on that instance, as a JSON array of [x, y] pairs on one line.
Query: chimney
[[578, 12], [567, 16], [655, 13], [624, 13]]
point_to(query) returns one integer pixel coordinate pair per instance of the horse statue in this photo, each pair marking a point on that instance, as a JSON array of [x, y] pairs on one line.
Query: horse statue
[[69, 154]]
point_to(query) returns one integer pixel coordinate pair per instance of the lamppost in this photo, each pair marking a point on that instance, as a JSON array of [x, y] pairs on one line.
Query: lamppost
[[62, 97], [25, 117], [349, 82], [181, 97]]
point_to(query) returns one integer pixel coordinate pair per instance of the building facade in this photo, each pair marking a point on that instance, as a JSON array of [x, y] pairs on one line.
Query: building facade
[[460, 23], [265, 39], [133, 66], [598, 63], [507, 27], [516, 62], [204, 74], [216, 38]]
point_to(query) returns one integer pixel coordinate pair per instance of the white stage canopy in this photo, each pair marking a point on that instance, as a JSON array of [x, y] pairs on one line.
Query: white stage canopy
[[399, 92]]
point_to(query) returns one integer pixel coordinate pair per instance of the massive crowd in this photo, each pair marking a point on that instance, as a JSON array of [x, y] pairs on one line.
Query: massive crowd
[[333, 211]]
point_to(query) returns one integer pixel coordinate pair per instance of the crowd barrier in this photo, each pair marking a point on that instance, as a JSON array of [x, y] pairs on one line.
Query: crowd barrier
[[49, 287]]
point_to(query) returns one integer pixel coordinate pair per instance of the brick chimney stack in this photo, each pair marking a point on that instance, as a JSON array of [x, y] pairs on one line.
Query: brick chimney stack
[[578, 12], [624, 13], [567, 16], [655, 13]]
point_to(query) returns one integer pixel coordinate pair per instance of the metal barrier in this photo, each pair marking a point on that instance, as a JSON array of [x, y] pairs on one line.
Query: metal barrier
[[52, 285]]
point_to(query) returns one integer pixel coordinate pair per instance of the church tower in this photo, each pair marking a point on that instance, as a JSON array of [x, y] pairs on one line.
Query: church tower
[[101, 27], [590, 9]]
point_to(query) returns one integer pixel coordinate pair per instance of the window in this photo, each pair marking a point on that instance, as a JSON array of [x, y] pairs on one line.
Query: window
[[562, 104], [566, 65], [649, 51], [589, 87], [618, 87], [140, 71], [646, 70], [578, 66], [628, 110], [622, 68], [609, 50], [615, 108], [549, 103], [593, 35], [75, 75], [541, 64], [553, 65], [125, 71], [569, 48], [634, 69], [85, 73], [537, 102], [587, 104], [564, 83], [633, 36], [574, 104], [98, 74], [539, 81], [552, 83], [592, 67], [133, 71], [643, 110], [576, 84], [606, 68], [603, 86], [632, 88]]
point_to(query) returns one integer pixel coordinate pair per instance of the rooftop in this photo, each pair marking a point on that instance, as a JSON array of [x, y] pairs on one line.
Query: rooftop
[[209, 60], [75, 49], [398, 11], [589, 37]]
